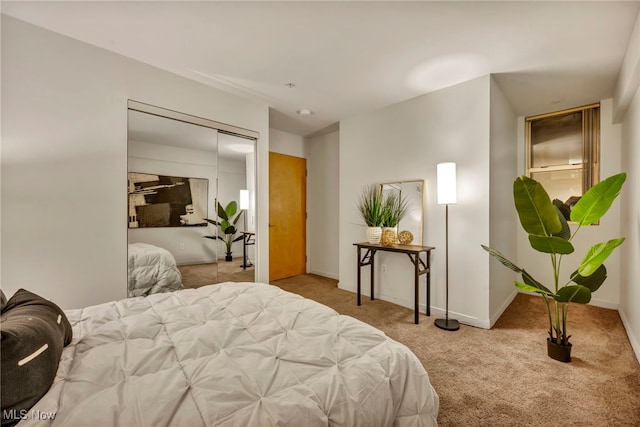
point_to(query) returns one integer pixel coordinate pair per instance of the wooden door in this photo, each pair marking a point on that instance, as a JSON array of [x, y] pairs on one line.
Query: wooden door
[[287, 216]]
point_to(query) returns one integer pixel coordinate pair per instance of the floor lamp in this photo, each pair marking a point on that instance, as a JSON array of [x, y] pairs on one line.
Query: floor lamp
[[446, 183], [244, 205]]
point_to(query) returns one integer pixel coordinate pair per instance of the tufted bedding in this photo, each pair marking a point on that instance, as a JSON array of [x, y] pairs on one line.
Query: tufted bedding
[[151, 270], [232, 354]]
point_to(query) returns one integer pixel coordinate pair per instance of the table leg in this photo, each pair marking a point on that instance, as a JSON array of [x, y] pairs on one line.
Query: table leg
[[373, 257], [428, 283], [359, 268], [244, 251], [416, 288]]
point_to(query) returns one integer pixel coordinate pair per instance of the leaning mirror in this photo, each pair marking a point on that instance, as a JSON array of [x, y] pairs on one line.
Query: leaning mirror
[[413, 193], [178, 173]]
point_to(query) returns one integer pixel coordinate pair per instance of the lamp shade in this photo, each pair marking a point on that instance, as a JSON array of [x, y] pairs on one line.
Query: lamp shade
[[446, 183], [244, 199]]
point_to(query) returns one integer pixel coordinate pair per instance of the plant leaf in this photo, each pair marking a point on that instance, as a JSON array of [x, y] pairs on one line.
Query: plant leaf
[[574, 293], [529, 288], [550, 244], [231, 209], [221, 212], [592, 282], [597, 200], [502, 259], [370, 205], [235, 221], [529, 280], [565, 233], [565, 210], [211, 221], [535, 210], [596, 256], [230, 230]]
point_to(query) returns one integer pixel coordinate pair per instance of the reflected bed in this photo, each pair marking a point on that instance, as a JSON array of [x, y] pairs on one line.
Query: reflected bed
[[151, 270]]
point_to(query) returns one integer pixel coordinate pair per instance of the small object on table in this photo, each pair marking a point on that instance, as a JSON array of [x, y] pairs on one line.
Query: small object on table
[[405, 237]]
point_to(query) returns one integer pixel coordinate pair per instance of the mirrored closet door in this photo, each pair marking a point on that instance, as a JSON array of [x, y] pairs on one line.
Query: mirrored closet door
[[191, 201]]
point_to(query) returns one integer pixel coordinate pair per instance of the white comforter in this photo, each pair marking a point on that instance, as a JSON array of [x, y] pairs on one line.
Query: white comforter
[[151, 270], [232, 354]]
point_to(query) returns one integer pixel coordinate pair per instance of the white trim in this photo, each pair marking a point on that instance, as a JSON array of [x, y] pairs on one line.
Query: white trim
[[632, 339], [463, 319], [495, 316], [187, 118], [323, 274], [435, 311]]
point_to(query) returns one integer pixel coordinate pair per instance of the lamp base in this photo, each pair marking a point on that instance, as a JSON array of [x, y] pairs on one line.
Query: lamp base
[[447, 324]]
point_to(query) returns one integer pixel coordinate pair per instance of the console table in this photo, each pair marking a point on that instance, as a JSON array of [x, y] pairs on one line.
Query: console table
[[420, 267]]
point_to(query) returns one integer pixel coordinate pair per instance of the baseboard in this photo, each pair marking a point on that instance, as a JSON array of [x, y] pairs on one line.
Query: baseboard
[[323, 274], [437, 313], [493, 318], [198, 261], [604, 304], [632, 339]]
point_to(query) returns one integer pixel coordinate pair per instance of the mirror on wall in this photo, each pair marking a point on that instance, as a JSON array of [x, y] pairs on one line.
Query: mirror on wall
[[178, 171], [413, 193]]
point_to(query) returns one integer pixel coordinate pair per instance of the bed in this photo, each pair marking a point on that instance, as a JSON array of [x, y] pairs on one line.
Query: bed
[[232, 354], [151, 270]]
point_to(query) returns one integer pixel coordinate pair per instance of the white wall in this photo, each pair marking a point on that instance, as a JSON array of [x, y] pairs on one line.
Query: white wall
[[628, 101], [64, 160], [503, 216], [629, 76], [159, 159], [323, 189], [538, 264], [250, 168], [405, 141], [286, 143], [630, 249]]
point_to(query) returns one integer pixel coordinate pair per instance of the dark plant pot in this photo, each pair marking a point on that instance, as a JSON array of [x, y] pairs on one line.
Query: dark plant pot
[[559, 352], [228, 258]]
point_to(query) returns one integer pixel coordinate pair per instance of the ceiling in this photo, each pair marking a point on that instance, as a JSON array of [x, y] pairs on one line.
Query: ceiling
[[346, 58]]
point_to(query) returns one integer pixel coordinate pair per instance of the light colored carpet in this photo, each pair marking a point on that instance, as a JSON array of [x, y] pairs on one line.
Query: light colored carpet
[[196, 275], [503, 376]]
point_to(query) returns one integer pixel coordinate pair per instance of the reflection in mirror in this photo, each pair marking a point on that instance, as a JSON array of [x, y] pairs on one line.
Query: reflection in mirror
[[236, 186], [413, 193], [176, 172]]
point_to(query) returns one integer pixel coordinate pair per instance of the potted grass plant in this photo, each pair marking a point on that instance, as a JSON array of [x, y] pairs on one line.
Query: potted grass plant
[[370, 206], [550, 233], [227, 225], [394, 208]]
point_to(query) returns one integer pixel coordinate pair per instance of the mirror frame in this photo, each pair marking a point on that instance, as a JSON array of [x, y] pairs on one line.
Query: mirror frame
[[417, 240]]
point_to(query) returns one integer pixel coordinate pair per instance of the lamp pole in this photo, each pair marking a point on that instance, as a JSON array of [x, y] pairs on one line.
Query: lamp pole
[[446, 183]]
